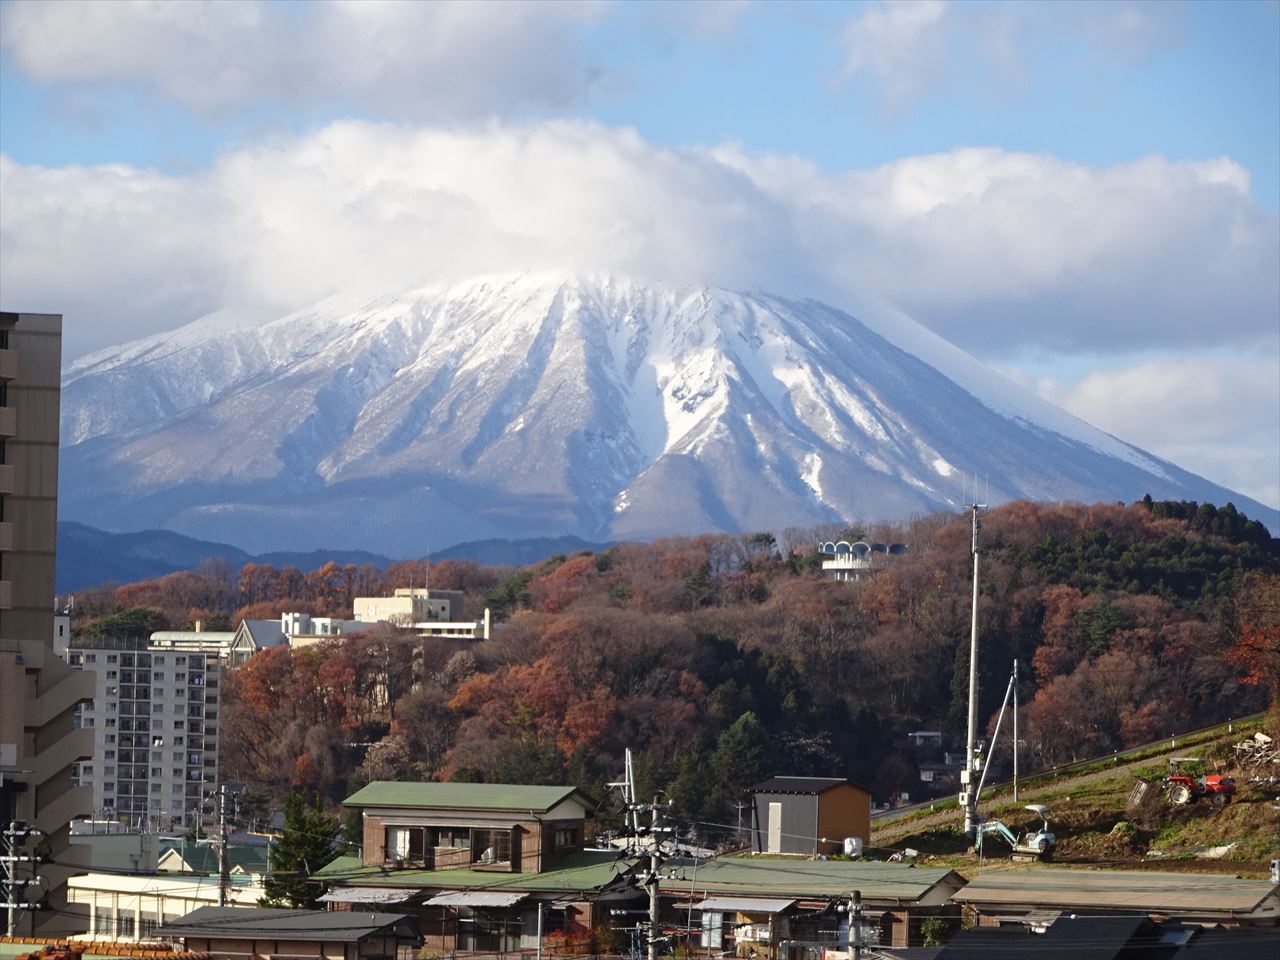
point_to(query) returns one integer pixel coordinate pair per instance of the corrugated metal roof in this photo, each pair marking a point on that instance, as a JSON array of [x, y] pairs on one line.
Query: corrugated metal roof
[[241, 923], [1117, 889], [730, 876], [475, 898], [456, 796], [805, 786], [370, 894], [743, 904]]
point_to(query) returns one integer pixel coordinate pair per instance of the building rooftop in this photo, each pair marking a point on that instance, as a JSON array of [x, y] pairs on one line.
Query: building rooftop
[[804, 786], [241, 923], [1138, 890], [736, 876], [464, 796]]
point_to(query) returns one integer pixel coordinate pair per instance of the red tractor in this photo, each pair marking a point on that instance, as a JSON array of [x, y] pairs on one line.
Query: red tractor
[[1187, 782]]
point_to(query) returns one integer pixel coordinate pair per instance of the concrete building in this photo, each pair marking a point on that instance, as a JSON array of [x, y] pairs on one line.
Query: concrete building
[[429, 613], [154, 722], [38, 692]]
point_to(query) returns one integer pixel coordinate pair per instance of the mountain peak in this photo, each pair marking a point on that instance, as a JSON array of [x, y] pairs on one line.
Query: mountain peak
[[529, 404]]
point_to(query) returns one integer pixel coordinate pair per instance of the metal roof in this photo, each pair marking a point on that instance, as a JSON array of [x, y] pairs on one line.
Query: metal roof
[[743, 904], [1117, 890], [475, 898], [370, 894], [463, 796], [244, 923], [805, 786], [728, 876]]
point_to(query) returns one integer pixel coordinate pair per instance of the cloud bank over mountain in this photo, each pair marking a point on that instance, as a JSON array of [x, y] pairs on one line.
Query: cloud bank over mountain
[[998, 251]]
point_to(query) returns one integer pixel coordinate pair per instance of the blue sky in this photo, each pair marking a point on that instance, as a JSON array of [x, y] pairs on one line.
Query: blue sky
[[1086, 195], [1204, 85]]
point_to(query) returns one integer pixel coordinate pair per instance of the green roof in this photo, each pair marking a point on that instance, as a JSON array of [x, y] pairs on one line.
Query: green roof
[[585, 870], [592, 869], [455, 796], [203, 858]]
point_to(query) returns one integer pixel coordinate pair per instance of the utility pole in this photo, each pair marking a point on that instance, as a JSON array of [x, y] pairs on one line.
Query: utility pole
[[224, 869], [855, 925], [968, 799], [1015, 731], [13, 838], [654, 865]]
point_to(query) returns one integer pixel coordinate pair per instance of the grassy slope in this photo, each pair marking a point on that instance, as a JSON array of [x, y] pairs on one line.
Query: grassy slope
[[1095, 826]]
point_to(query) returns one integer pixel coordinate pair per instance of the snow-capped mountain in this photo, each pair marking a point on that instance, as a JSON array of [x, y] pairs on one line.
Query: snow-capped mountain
[[526, 405]]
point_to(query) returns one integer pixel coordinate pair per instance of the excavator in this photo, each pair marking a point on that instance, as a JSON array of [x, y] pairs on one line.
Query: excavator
[[1028, 845]]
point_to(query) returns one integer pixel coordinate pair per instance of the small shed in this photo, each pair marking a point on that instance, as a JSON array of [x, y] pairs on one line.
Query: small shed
[[809, 815], [239, 933]]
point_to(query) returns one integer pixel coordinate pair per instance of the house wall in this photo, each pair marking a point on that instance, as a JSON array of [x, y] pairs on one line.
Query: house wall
[[532, 841], [843, 811], [799, 822]]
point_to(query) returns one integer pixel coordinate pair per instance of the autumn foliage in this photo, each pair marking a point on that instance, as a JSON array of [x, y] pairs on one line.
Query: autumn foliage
[[720, 659]]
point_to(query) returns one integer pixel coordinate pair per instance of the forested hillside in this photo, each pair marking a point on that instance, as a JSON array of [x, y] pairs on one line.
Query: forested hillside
[[720, 660]]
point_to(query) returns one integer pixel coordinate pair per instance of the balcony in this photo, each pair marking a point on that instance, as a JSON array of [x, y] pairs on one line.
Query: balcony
[[60, 755], [8, 364], [8, 421]]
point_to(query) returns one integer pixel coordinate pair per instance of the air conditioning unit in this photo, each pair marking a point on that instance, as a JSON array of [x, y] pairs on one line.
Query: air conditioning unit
[[853, 846]]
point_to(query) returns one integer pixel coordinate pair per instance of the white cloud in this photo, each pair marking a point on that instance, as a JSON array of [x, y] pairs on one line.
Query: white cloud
[[1217, 415], [997, 251], [900, 45], [898, 50], [446, 59]]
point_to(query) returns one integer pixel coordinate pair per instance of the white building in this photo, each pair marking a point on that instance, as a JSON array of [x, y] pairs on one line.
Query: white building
[[128, 909], [155, 721], [429, 613]]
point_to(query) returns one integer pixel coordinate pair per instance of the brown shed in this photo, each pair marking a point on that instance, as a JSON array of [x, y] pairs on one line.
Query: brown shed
[[809, 815]]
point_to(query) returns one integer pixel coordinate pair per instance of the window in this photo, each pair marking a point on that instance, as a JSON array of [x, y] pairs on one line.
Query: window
[[111, 738], [113, 674], [713, 929], [566, 837], [406, 843], [459, 838], [490, 846], [111, 721], [108, 771], [111, 658], [158, 661], [90, 658]]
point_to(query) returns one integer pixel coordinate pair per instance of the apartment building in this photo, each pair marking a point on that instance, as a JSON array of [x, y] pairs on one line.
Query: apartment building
[[38, 692], [429, 613], [154, 722]]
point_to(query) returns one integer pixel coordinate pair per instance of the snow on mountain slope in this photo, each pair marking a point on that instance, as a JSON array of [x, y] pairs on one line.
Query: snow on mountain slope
[[526, 405]]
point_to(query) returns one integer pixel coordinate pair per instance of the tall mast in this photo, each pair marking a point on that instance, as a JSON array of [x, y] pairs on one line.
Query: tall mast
[[968, 798]]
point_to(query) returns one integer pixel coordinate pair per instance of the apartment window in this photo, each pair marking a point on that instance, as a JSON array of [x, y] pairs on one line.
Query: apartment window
[[86, 769], [112, 691], [566, 837], [109, 755], [111, 658], [177, 773], [113, 674], [109, 788], [111, 738], [155, 787], [111, 721], [108, 771], [406, 843], [157, 677], [90, 658], [158, 661], [179, 660]]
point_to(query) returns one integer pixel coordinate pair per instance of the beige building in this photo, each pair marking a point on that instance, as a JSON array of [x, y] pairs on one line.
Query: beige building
[[38, 692], [429, 613], [127, 909]]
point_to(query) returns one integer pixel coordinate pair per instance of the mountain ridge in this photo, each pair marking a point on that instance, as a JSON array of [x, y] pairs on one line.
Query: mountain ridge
[[532, 405]]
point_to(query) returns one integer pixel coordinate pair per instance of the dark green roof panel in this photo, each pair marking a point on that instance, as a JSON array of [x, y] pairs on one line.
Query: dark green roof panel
[[475, 796]]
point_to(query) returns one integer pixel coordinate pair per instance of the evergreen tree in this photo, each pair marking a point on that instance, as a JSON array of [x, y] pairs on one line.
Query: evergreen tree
[[305, 846]]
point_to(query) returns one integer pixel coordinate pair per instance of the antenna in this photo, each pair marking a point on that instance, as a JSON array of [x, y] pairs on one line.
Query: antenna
[[968, 797]]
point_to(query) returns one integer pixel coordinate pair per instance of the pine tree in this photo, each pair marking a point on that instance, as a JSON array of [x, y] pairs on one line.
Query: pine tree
[[305, 846]]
